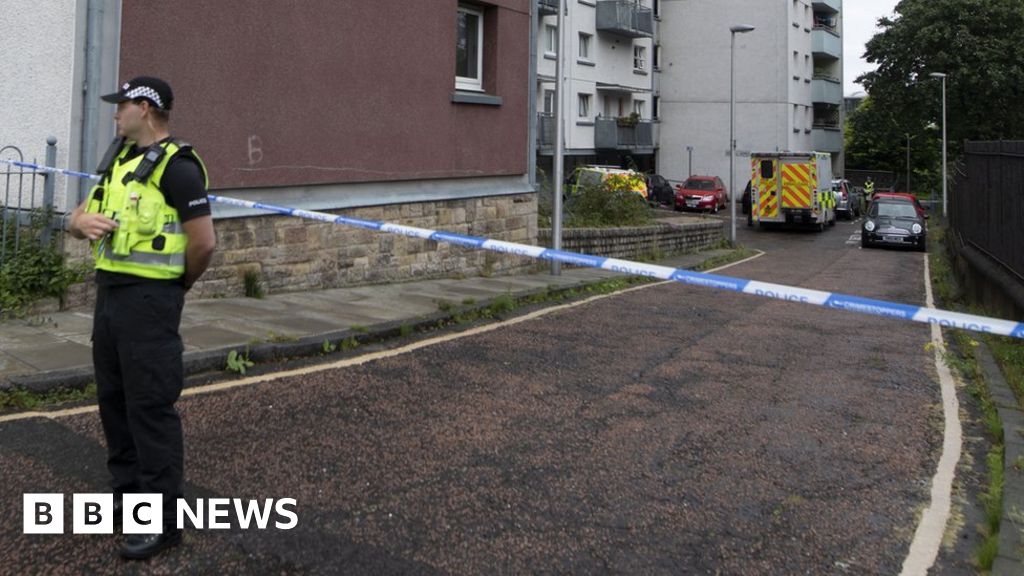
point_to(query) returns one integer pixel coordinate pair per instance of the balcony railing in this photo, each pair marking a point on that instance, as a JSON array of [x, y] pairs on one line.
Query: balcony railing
[[829, 6], [548, 7], [625, 18], [827, 139], [610, 135], [825, 89], [825, 42]]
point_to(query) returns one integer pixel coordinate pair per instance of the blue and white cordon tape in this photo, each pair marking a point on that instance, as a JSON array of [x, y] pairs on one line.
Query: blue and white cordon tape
[[857, 304]]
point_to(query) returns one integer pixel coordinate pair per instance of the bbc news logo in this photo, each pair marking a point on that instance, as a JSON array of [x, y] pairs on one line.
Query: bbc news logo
[[143, 513]]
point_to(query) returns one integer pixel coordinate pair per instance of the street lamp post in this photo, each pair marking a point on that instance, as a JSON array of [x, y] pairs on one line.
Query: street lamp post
[[943, 77], [909, 138], [689, 161], [738, 29]]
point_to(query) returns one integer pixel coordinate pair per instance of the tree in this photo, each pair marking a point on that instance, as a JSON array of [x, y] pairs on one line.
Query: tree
[[979, 44]]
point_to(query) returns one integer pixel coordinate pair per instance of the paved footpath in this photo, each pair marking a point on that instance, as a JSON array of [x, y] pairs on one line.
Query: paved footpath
[[53, 350]]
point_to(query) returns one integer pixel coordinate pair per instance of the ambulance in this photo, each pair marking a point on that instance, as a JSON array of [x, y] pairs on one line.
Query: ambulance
[[792, 188]]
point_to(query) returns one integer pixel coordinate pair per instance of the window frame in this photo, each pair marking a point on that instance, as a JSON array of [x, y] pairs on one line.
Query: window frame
[[641, 58], [586, 41], [468, 83], [551, 40], [583, 105]]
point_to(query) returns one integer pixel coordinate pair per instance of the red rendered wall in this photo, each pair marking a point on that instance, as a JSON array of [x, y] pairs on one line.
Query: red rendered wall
[[297, 92]]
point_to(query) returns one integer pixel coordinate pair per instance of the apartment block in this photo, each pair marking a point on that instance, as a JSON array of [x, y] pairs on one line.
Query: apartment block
[[788, 83], [611, 66]]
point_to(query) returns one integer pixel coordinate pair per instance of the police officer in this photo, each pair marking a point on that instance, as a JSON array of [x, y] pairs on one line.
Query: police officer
[[869, 189], [152, 237]]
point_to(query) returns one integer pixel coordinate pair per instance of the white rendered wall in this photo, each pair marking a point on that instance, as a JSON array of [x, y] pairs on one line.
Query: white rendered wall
[[37, 88]]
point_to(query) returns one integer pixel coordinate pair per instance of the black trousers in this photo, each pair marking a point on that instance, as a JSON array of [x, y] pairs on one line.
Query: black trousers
[[137, 354]]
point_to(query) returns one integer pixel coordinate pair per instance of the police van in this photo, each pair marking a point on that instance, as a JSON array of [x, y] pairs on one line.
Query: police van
[[792, 188]]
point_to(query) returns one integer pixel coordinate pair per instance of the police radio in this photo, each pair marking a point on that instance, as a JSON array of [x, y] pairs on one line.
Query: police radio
[[150, 159]]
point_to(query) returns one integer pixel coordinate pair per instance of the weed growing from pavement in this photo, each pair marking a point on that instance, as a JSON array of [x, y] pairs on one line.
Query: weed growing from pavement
[[328, 347], [22, 399], [405, 330], [359, 328], [349, 343], [239, 362]]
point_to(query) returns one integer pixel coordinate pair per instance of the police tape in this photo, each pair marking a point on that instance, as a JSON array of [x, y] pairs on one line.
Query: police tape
[[832, 300]]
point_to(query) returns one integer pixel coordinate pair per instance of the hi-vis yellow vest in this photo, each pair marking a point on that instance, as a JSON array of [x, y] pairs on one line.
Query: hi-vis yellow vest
[[149, 241]]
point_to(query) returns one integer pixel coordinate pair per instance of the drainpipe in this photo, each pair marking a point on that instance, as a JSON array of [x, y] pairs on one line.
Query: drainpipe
[[531, 146], [90, 94]]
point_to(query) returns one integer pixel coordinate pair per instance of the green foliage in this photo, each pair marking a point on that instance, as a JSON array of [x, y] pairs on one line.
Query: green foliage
[[405, 330], [979, 44], [253, 284], [607, 205], [327, 347], [21, 399], [239, 362], [349, 343], [35, 270]]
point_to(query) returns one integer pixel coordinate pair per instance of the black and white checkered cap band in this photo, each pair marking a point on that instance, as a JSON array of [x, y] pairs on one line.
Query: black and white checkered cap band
[[144, 92]]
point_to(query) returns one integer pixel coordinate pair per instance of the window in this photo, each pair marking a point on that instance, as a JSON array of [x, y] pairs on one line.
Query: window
[[796, 117], [550, 39], [638, 107], [549, 101], [656, 56], [469, 42], [655, 106], [584, 106], [639, 57], [585, 45]]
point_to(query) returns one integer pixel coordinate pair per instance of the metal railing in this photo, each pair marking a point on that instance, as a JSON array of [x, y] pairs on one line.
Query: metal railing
[[625, 18], [986, 204], [24, 192], [548, 7], [611, 134]]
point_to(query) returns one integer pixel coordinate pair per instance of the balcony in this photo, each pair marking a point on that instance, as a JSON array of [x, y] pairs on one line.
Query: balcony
[[826, 90], [625, 18], [829, 6], [548, 7], [545, 130], [825, 43], [609, 135], [827, 139]]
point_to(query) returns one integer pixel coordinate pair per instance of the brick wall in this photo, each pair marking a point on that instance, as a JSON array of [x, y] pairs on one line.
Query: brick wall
[[640, 242], [291, 254]]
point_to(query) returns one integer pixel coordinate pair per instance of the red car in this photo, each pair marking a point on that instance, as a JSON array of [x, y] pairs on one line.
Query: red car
[[701, 193], [903, 196]]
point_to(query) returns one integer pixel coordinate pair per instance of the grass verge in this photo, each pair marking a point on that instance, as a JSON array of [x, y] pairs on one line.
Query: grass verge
[[1009, 355], [19, 399]]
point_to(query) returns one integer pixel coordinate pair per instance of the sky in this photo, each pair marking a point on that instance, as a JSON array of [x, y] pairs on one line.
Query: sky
[[859, 18]]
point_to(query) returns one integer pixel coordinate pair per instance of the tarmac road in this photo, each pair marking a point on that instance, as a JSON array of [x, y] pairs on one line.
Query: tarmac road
[[667, 430]]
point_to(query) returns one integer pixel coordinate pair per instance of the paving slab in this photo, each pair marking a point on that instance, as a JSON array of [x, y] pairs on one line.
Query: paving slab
[[54, 356]]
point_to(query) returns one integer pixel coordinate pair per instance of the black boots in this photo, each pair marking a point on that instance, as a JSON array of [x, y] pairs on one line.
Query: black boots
[[142, 546]]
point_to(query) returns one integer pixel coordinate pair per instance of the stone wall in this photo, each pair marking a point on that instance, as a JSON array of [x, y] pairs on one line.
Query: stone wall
[[641, 242], [290, 254]]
